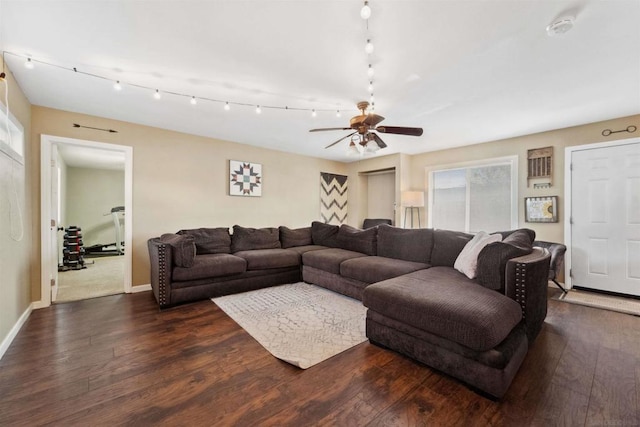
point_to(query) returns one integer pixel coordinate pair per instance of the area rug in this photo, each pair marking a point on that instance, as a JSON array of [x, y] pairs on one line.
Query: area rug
[[606, 302], [298, 323]]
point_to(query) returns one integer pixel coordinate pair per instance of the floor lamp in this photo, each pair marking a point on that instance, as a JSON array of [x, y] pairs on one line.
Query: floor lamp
[[412, 200]]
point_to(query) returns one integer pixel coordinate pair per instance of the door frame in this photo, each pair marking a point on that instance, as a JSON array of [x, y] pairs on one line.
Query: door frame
[[46, 143], [568, 153]]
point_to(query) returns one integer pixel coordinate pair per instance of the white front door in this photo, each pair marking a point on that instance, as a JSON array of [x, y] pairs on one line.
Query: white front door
[[605, 216]]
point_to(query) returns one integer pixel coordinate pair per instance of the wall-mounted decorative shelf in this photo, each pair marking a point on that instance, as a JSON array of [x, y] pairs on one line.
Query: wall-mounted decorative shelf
[[540, 166]]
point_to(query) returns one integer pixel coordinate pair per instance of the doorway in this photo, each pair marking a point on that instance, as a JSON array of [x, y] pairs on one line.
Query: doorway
[[602, 228], [86, 219], [381, 194]]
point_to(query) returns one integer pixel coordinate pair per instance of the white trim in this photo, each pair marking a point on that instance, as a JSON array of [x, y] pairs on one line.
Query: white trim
[[6, 342], [140, 288], [506, 160], [46, 142], [568, 154]]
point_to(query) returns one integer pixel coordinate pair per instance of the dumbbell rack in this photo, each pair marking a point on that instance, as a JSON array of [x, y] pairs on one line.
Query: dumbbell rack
[[73, 251]]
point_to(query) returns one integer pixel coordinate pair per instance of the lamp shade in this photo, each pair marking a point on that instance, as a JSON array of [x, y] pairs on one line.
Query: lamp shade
[[412, 198]]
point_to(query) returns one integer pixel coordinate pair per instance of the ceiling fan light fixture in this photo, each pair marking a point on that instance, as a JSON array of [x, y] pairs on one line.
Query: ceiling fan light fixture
[[365, 12]]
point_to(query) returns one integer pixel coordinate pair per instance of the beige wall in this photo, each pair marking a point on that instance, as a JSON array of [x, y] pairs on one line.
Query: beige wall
[[181, 181], [90, 195], [559, 139], [15, 218]]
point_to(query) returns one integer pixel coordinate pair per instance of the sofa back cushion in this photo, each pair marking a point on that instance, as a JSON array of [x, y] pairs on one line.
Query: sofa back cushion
[[324, 234], [210, 240], [409, 245], [467, 261], [447, 245], [246, 239], [183, 248], [354, 239], [298, 237]]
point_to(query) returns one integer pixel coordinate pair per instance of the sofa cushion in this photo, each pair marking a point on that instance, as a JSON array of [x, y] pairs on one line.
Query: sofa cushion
[[493, 258], [298, 237], [354, 239], [210, 240], [247, 239], [262, 259], [447, 245], [306, 248], [211, 265], [183, 248], [444, 302], [329, 260], [324, 234], [467, 261], [372, 269], [409, 245]]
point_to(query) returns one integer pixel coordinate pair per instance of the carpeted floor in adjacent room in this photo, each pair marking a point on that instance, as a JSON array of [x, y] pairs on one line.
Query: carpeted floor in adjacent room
[[104, 277]]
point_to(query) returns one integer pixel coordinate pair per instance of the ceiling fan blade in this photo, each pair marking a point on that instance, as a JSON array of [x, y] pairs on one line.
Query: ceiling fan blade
[[341, 139], [378, 140], [399, 130], [323, 129], [372, 119]]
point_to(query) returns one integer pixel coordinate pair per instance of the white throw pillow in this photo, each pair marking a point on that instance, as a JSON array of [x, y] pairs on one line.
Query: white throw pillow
[[467, 261]]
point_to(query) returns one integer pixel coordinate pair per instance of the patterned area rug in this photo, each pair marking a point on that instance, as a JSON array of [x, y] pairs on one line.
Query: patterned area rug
[[299, 323], [606, 302]]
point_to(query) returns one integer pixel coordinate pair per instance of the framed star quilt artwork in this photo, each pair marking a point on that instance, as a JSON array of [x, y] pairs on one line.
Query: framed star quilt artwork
[[245, 179]]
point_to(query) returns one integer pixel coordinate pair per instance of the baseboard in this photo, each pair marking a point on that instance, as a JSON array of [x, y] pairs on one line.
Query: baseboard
[[6, 342], [140, 288]]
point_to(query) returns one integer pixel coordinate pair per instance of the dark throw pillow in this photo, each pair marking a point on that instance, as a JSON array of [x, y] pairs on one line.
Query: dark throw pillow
[[247, 239], [324, 234], [183, 248], [447, 245], [354, 239], [297, 237], [210, 240]]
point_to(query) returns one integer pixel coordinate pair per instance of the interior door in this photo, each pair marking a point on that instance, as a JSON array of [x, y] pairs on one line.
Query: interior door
[[605, 229], [55, 191]]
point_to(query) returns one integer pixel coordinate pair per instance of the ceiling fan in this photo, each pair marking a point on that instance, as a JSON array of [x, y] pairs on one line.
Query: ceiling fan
[[365, 125]]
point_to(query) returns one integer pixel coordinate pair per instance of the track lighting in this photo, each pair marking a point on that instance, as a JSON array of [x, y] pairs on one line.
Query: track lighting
[[28, 64], [193, 100], [258, 110], [365, 12], [368, 47], [157, 95], [227, 107], [117, 86], [370, 71]]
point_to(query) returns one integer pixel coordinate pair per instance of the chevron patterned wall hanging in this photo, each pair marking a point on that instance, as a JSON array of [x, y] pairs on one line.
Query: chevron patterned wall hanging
[[333, 198]]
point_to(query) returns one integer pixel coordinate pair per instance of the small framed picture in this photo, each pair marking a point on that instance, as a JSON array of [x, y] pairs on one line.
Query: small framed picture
[[245, 179], [541, 209]]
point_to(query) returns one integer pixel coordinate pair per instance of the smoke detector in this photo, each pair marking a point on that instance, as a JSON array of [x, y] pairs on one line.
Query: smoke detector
[[560, 26]]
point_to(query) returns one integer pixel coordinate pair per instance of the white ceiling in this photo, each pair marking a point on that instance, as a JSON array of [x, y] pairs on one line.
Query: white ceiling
[[465, 71]]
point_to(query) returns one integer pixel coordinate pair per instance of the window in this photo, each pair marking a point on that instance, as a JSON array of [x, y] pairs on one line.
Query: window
[[473, 197], [11, 135]]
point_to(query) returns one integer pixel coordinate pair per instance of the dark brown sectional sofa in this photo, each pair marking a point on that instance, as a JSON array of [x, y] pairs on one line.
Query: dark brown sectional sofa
[[477, 330]]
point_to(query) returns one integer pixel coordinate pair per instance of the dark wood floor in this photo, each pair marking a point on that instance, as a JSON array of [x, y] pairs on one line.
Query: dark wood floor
[[118, 360]]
